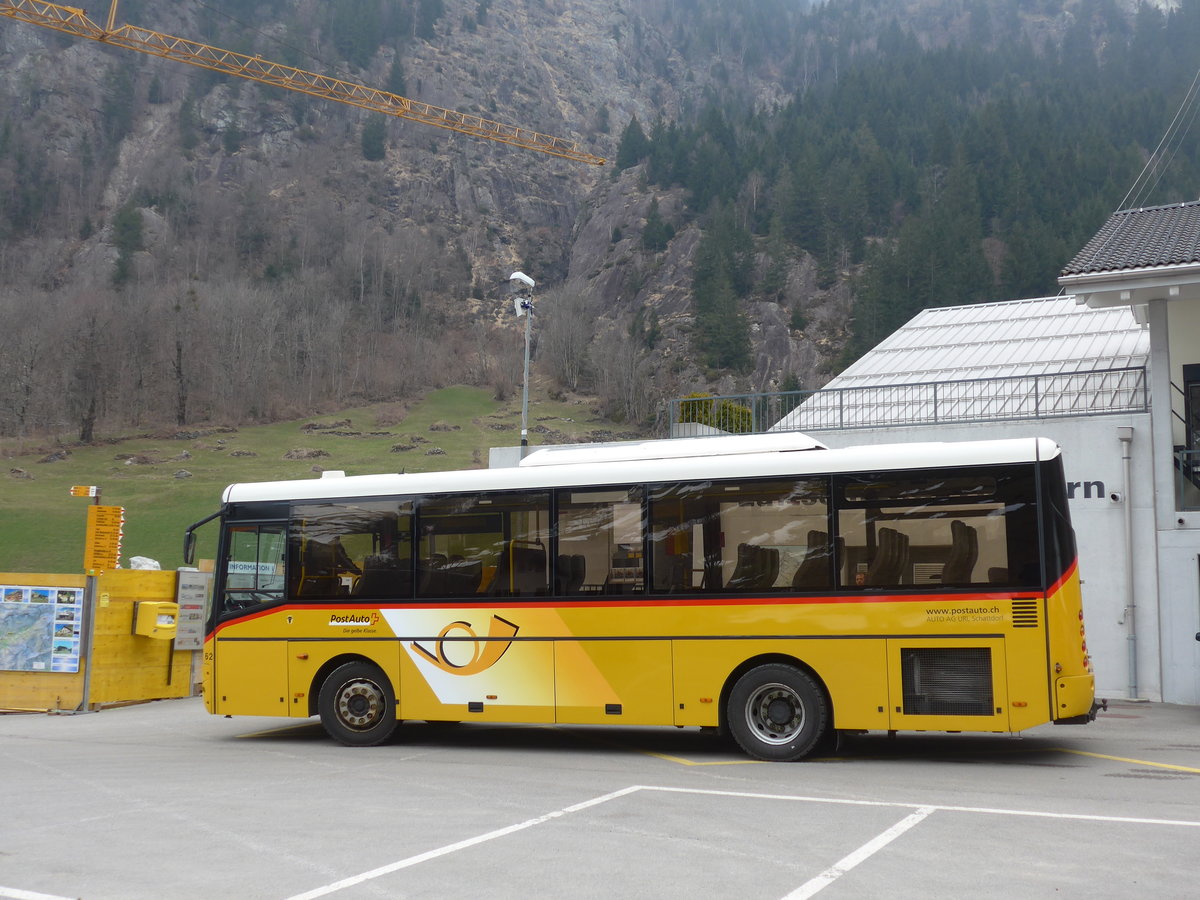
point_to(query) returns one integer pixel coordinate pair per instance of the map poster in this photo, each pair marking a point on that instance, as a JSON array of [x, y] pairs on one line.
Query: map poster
[[40, 628]]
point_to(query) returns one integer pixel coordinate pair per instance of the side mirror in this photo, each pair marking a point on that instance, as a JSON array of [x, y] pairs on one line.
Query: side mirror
[[189, 548]]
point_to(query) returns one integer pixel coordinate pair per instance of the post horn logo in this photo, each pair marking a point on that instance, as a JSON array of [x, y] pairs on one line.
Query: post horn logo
[[486, 652]]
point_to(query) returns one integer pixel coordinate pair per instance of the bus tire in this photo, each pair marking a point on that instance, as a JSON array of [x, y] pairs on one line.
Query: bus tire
[[357, 705], [777, 712]]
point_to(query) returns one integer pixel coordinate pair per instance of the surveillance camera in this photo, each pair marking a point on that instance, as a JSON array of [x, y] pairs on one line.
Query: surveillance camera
[[1116, 496], [521, 277]]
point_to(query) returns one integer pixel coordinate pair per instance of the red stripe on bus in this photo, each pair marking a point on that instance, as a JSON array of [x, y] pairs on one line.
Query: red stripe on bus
[[643, 602]]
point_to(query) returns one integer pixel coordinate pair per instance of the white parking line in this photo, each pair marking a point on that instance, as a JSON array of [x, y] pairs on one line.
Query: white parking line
[[811, 887], [461, 845], [848, 862], [17, 894], [982, 810]]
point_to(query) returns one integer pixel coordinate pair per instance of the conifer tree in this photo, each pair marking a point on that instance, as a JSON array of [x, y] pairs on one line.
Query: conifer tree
[[634, 146]]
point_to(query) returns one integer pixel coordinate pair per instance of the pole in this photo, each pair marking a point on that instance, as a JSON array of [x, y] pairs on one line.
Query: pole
[[1125, 436], [525, 385], [523, 303], [89, 627]]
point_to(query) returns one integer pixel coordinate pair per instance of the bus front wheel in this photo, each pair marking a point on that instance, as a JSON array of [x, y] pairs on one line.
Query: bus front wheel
[[357, 705], [777, 712]]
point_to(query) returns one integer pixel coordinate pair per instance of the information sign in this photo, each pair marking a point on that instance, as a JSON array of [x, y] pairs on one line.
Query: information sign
[[192, 597], [102, 549]]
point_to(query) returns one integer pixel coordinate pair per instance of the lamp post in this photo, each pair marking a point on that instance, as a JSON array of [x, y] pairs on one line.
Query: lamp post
[[523, 305]]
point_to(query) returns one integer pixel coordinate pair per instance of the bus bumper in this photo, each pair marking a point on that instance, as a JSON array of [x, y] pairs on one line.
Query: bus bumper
[[1076, 696]]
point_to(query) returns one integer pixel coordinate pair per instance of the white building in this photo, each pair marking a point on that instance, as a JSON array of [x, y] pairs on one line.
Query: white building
[[1148, 261], [1111, 372]]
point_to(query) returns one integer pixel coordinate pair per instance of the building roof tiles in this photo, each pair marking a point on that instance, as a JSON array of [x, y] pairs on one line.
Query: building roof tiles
[[1151, 237]]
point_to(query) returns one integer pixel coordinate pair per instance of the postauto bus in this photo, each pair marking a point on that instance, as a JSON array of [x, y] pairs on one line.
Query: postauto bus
[[764, 586]]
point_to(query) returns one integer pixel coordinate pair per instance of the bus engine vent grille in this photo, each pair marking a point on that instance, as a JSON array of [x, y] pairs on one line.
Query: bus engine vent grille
[[1025, 613], [947, 682]]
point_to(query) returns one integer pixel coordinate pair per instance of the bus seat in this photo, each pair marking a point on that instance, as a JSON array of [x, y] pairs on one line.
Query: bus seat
[[903, 559], [770, 568], [529, 570], [578, 573], [319, 586], [964, 551], [891, 558], [563, 570], [747, 569], [885, 552], [461, 577], [520, 570], [430, 580], [756, 569], [385, 576], [669, 573], [502, 579], [814, 569]]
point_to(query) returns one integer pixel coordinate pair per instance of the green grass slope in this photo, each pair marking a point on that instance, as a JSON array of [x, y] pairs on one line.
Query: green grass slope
[[42, 527]]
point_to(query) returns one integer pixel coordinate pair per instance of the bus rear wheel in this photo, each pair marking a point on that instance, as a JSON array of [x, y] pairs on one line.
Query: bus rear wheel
[[357, 705], [777, 712]]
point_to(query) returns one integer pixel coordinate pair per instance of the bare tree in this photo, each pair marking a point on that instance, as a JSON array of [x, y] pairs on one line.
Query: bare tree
[[565, 323], [622, 378]]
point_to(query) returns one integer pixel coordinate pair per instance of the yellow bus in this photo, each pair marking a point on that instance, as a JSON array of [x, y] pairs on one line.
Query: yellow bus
[[765, 586]]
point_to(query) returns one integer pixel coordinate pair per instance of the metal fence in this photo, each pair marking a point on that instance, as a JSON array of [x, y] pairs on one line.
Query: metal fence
[[1088, 393]]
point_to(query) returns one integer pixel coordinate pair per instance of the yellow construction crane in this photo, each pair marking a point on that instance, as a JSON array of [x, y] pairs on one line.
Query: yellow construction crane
[[255, 68]]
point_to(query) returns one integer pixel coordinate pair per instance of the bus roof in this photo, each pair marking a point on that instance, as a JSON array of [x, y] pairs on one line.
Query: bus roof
[[629, 451], [771, 458]]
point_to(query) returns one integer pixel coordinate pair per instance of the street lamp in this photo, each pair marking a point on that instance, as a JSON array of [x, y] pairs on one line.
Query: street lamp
[[522, 286]]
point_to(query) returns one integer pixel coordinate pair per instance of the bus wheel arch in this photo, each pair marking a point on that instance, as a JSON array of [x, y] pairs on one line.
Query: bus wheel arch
[[356, 702], [776, 708]]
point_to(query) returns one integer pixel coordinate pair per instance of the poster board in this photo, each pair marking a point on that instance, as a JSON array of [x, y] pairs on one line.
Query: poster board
[[40, 628]]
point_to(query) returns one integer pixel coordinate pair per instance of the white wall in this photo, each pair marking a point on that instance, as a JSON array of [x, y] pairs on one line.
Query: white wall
[[1179, 565], [1183, 336], [1091, 454], [1179, 533]]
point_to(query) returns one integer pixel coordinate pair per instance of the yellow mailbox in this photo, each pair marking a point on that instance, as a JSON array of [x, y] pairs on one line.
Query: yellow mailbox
[[155, 618]]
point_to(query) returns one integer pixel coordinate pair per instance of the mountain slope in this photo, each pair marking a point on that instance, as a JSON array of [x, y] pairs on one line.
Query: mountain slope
[[785, 185]]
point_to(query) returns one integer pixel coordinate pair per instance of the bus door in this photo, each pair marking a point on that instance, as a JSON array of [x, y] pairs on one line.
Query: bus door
[[613, 664], [246, 670]]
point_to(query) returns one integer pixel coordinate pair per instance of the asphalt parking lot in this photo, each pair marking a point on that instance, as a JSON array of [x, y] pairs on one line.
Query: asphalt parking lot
[[162, 800]]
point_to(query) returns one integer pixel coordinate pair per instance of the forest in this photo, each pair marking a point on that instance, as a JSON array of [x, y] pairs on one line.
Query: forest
[[176, 247]]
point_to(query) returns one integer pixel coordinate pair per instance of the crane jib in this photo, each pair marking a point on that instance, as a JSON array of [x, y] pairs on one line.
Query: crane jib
[[75, 21]]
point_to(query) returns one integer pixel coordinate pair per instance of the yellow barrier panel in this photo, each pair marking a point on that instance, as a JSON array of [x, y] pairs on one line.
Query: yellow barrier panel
[[115, 664]]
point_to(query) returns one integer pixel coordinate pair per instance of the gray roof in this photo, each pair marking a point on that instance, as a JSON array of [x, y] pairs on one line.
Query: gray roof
[[1152, 237], [1016, 359]]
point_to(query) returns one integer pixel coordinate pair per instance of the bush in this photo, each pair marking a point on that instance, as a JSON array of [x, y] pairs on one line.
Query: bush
[[724, 414]]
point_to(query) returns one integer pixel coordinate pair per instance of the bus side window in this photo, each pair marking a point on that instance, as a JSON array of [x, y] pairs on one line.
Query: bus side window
[[333, 546], [483, 544], [934, 529], [745, 538], [600, 542]]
